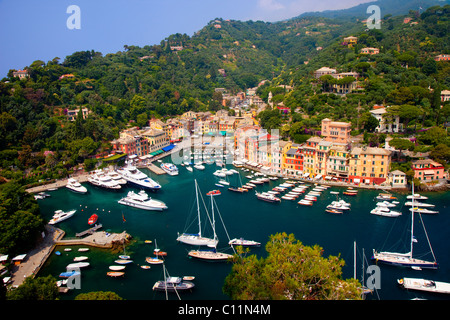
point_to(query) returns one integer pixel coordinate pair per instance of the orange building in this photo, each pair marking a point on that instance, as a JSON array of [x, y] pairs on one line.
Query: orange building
[[336, 131]]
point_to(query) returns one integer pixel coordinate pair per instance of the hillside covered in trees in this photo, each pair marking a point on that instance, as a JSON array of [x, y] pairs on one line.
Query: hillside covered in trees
[[181, 73]]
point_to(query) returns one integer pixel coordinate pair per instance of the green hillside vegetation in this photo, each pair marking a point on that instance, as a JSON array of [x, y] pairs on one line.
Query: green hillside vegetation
[[137, 84]]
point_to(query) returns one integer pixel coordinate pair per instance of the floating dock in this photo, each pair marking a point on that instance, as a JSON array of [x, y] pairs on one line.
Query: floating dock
[[88, 231]]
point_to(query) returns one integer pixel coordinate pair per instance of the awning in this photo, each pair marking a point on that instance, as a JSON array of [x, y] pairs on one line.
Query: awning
[[168, 148], [328, 177], [306, 174], [428, 172], [318, 177], [356, 180]]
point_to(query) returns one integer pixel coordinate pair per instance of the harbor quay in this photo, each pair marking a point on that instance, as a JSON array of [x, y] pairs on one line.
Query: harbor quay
[[36, 258]]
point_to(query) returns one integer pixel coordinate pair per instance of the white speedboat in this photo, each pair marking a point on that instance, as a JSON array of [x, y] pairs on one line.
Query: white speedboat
[[416, 196], [61, 216], [138, 178], [386, 204], [169, 168], [75, 186], [419, 204], [242, 242], [141, 200], [267, 197], [189, 168], [385, 212], [423, 210]]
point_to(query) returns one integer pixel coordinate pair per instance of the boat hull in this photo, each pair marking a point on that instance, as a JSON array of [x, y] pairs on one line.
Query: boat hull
[[403, 261]]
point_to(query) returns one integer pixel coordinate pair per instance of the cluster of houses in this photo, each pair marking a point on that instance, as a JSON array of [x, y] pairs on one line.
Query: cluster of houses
[[333, 156]]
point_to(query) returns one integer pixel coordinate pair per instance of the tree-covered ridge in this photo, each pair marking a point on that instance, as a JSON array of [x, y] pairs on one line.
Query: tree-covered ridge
[[181, 73]]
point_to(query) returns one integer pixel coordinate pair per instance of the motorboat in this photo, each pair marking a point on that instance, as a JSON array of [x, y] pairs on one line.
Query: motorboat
[[154, 260], [385, 212], [141, 200], [424, 285], [267, 197], [61, 216], [92, 219], [189, 168], [386, 204], [138, 178], [416, 196], [243, 242], [386, 196], [75, 186], [169, 168], [419, 204], [104, 181], [305, 202], [214, 193], [172, 284], [238, 189], [423, 210], [339, 205]]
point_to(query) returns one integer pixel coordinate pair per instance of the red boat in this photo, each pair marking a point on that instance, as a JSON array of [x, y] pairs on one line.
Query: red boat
[[214, 193], [93, 219]]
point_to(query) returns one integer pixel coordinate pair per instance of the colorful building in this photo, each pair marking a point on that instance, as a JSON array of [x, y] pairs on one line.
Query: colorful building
[[369, 165], [428, 170]]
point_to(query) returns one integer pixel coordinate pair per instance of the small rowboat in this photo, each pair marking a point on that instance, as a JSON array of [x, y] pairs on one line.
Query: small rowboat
[[123, 261], [115, 274], [188, 278], [145, 267], [159, 253], [116, 268]]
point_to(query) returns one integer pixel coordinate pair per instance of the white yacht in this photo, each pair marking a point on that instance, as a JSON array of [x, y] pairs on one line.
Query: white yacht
[[141, 200], [169, 168], [74, 185], [138, 178], [102, 180], [61, 216], [116, 177]]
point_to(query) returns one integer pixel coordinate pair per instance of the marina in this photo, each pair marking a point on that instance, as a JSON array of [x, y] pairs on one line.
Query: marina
[[245, 216]]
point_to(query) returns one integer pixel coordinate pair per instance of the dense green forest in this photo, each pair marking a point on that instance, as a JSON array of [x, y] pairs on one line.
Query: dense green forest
[[38, 142]]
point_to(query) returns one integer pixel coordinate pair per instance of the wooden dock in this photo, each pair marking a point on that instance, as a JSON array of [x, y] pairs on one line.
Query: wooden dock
[[88, 231], [153, 168]]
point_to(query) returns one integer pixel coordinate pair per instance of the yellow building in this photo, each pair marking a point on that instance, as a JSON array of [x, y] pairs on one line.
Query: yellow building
[[369, 165]]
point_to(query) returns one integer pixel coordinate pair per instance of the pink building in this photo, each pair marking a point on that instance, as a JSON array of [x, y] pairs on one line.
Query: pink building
[[428, 170]]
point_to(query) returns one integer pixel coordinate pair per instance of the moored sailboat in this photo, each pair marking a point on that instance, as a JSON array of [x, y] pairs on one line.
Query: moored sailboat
[[197, 239], [406, 259]]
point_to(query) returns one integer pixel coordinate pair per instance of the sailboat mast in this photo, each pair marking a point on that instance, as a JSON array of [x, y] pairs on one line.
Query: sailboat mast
[[412, 222], [198, 211], [213, 217], [354, 260]]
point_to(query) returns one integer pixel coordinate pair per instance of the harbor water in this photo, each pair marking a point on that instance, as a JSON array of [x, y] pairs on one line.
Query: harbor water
[[243, 216]]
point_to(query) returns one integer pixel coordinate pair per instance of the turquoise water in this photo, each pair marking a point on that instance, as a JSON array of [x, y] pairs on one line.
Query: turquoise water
[[244, 216]]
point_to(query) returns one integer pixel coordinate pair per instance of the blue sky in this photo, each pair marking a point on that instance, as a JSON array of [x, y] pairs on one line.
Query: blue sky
[[37, 29]]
